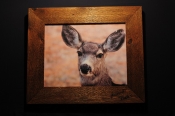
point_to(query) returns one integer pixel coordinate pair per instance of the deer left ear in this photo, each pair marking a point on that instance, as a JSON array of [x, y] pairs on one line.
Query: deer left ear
[[71, 37], [114, 41]]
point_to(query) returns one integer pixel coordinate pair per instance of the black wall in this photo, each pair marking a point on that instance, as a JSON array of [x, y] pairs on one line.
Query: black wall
[[159, 36]]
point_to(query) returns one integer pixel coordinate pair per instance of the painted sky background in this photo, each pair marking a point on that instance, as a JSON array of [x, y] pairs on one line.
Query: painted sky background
[[61, 61]]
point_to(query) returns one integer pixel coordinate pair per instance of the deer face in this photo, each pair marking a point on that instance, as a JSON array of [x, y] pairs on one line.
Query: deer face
[[91, 55]]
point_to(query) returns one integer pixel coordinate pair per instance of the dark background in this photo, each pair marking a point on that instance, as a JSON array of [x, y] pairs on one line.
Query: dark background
[[159, 36]]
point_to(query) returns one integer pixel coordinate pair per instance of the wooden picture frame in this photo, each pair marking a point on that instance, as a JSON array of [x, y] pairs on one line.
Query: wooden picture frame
[[133, 92]]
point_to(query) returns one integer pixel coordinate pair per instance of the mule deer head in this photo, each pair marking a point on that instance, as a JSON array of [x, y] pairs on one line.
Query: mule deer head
[[91, 56]]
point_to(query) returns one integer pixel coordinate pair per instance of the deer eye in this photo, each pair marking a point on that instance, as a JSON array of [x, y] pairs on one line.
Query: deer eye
[[79, 53], [100, 55]]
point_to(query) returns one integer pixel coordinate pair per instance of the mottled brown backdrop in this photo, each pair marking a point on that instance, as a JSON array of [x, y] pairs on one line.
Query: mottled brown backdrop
[[61, 61]]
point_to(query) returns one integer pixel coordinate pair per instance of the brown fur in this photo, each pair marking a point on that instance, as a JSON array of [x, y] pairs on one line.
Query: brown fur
[[88, 53]]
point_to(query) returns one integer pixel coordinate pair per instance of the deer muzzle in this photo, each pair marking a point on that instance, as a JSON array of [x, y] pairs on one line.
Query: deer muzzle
[[85, 68]]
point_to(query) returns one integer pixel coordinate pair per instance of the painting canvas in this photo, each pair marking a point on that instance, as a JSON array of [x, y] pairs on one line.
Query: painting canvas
[[61, 67]]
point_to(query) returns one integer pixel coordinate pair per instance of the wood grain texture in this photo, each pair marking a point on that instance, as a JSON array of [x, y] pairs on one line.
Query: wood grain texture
[[84, 14], [135, 56], [134, 92], [35, 66], [88, 95]]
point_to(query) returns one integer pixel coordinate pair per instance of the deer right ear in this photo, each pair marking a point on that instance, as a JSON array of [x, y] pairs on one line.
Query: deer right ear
[[114, 41], [71, 37]]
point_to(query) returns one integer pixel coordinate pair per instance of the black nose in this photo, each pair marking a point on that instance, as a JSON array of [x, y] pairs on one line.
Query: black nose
[[85, 68]]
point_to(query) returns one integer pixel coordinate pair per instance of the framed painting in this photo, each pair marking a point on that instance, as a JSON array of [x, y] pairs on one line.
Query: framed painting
[[85, 55]]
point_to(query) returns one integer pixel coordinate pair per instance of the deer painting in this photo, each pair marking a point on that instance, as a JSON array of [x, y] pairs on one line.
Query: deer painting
[[91, 56]]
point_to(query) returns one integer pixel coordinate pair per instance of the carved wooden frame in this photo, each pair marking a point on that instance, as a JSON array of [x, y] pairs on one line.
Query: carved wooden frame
[[133, 92]]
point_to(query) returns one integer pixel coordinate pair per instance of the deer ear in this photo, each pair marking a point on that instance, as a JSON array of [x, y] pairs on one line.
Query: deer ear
[[114, 41], [71, 37]]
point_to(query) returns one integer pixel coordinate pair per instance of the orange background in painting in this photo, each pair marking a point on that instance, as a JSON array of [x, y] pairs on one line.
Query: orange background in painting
[[61, 61]]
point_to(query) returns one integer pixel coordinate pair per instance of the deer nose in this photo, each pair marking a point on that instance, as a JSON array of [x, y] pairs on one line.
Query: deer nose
[[85, 68]]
